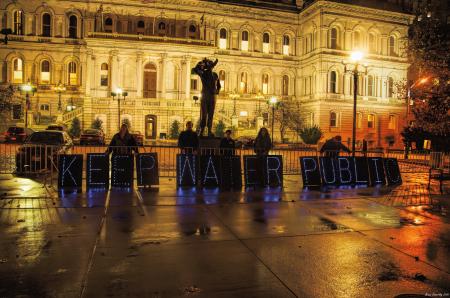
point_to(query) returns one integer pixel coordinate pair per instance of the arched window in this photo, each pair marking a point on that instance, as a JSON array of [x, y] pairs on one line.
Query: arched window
[[18, 22], [285, 86], [370, 86], [372, 43], [140, 27], [392, 49], [244, 41], [192, 29], [243, 82], [370, 121], [286, 42], [17, 70], [73, 26], [222, 80], [104, 74], [141, 24], [333, 85], [265, 83], [390, 87], [357, 40], [45, 71], [108, 25], [73, 74], [46, 25], [162, 28], [333, 119], [333, 38], [223, 38], [266, 43], [150, 79]]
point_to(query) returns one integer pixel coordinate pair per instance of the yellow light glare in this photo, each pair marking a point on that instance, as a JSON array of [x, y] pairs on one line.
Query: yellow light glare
[[356, 56], [273, 100], [26, 87], [119, 91]]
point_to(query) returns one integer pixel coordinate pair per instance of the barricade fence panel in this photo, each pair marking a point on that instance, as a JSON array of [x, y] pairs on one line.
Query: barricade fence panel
[[38, 159]]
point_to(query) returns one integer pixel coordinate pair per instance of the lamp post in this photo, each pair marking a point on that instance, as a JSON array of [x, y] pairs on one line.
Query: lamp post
[[355, 58], [27, 89], [119, 92], [60, 88], [415, 84], [273, 102]]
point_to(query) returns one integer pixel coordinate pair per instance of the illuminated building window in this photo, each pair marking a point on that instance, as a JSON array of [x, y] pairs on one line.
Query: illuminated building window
[[392, 122], [222, 80], [333, 85], [17, 70], [45, 107], [45, 71], [371, 121], [392, 46], [73, 74], [243, 83], [286, 42], [333, 119], [46, 25], [73, 26], [223, 38], [266, 43], [244, 41], [243, 114], [333, 39], [265, 83], [18, 22], [104, 74]]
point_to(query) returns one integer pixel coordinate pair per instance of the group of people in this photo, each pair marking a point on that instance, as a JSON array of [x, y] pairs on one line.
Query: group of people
[[188, 142], [124, 143]]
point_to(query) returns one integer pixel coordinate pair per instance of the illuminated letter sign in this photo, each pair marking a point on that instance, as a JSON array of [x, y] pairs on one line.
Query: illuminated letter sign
[[252, 170], [70, 168], [392, 170], [328, 170], [376, 170], [230, 171], [345, 170], [97, 170], [310, 171], [147, 169], [273, 170], [209, 170], [361, 171], [122, 170], [186, 170]]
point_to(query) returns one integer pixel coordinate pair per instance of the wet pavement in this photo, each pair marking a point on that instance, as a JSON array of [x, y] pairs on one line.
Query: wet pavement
[[164, 242]]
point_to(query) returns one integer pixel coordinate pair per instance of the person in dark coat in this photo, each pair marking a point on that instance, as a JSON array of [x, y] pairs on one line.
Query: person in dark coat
[[333, 146], [122, 142], [263, 143], [188, 140], [227, 144]]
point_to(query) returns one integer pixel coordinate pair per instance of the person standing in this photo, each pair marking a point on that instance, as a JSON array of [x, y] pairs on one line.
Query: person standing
[[263, 143], [227, 144], [333, 147], [188, 140], [122, 142]]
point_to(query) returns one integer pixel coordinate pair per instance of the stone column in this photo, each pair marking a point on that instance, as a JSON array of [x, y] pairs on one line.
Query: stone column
[[348, 45], [163, 75], [187, 77], [384, 45], [139, 74], [114, 69], [89, 71]]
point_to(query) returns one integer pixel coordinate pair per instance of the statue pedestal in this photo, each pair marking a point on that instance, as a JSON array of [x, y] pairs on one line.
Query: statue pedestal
[[209, 145]]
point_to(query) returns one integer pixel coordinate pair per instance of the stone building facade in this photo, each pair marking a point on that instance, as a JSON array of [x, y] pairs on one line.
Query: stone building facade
[[294, 51]]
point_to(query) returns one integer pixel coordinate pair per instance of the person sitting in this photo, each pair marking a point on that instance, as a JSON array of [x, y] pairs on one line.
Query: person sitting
[[333, 147], [122, 142], [227, 144], [263, 143], [188, 140]]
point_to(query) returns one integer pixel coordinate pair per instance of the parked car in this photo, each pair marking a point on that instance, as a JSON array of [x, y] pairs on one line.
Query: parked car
[[40, 151], [245, 142], [57, 127], [16, 134], [138, 137], [92, 137]]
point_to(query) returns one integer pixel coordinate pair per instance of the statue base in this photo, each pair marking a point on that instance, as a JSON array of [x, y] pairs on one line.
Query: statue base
[[209, 145]]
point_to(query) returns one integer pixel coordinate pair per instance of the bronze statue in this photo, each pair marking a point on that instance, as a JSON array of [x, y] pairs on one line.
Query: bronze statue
[[211, 87]]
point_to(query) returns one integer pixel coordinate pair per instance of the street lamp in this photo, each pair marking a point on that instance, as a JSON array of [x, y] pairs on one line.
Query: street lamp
[[355, 58], [27, 89], [273, 102], [119, 92], [416, 84], [60, 88], [234, 96]]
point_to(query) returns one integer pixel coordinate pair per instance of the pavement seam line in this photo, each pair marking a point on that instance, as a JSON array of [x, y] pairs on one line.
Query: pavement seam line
[[94, 248], [250, 250]]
